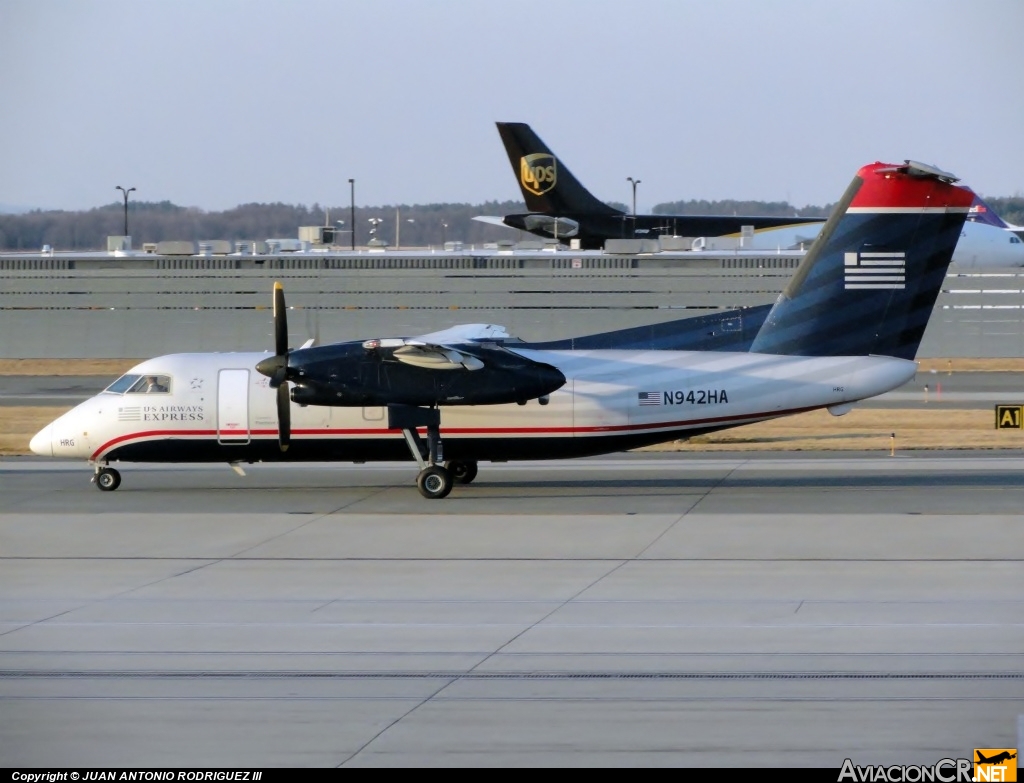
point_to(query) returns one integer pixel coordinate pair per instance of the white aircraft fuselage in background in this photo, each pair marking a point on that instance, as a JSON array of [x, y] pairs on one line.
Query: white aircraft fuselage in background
[[981, 246]]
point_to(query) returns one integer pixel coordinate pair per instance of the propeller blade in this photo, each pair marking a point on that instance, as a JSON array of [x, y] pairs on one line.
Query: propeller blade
[[280, 321], [276, 368], [284, 417]]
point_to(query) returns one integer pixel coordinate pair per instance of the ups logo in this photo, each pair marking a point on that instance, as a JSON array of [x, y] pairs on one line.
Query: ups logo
[[538, 173]]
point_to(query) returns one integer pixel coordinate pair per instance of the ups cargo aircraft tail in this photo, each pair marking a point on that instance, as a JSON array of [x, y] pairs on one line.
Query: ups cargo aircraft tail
[[846, 328], [561, 208]]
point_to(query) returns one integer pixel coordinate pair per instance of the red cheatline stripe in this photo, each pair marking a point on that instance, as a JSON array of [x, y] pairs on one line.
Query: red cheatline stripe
[[151, 434], [457, 431]]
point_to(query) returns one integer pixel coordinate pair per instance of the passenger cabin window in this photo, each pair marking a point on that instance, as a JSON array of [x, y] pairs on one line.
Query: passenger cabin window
[[141, 384]]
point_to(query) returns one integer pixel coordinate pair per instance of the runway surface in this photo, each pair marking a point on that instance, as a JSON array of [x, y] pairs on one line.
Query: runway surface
[[635, 610]]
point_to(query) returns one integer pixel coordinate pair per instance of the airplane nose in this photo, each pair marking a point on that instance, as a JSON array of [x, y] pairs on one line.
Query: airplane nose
[[42, 442]]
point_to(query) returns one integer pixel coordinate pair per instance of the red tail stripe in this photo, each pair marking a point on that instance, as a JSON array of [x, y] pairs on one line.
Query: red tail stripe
[[884, 187]]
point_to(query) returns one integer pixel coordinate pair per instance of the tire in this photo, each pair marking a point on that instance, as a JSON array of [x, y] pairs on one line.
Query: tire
[[434, 482], [463, 471], [107, 479]]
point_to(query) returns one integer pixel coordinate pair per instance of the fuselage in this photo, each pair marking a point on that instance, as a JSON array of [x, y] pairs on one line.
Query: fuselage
[[218, 408], [593, 230], [981, 245]]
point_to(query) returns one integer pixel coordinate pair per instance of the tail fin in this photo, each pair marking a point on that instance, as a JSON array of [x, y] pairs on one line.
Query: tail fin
[[547, 185], [981, 212], [870, 280]]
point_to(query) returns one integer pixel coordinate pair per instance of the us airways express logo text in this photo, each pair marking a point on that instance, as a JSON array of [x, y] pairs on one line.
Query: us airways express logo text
[[172, 413]]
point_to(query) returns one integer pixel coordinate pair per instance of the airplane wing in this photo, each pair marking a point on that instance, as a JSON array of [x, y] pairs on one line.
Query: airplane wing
[[403, 371], [465, 333], [440, 350]]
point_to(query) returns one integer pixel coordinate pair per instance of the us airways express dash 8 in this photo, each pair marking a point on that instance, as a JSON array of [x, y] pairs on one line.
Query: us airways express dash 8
[[847, 327]]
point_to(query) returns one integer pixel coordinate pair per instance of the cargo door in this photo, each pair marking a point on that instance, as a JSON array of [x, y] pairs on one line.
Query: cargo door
[[233, 407]]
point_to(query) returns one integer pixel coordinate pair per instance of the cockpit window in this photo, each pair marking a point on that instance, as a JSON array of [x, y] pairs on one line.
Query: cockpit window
[[141, 384], [123, 384], [151, 384]]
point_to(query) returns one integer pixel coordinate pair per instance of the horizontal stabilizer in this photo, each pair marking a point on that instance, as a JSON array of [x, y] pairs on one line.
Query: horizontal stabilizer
[[493, 220], [915, 169]]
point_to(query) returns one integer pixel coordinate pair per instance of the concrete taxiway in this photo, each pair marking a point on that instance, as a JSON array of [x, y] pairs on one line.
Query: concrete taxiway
[[635, 610]]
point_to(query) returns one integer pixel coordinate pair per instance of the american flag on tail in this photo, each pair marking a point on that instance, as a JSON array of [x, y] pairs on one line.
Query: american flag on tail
[[875, 270]]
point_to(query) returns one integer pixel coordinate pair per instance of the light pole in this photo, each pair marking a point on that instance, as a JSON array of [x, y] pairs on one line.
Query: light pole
[[444, 235], [635, 183], [352, 210], [126, 192]]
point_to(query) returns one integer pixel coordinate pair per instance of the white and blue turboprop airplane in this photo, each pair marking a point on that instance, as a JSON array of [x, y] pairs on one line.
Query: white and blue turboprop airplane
[[846, 328]]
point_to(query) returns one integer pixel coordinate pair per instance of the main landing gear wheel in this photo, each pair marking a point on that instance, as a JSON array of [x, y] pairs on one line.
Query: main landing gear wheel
[[434, 482], [462, 471], [107, 479]]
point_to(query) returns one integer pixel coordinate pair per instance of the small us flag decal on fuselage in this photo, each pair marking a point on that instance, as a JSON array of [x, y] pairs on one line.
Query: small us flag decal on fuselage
[[649, 398], [874, 270]]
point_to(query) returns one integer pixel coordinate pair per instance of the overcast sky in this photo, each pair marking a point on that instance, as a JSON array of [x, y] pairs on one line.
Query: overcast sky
[[214, 103]]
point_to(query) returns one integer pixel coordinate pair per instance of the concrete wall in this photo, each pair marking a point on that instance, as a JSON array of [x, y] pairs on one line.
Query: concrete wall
[[129, 313]]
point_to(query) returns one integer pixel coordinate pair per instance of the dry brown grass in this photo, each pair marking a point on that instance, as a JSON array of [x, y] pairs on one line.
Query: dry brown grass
[[111, 367], [19, 424], [865, 429], [971, 365]]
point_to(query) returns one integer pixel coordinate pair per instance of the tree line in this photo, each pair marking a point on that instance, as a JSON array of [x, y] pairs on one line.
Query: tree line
[[1010, 208], [417, 225], [732, 207]]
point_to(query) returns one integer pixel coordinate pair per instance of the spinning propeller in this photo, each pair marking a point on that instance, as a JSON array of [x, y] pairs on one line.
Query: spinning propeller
[[276, 368]]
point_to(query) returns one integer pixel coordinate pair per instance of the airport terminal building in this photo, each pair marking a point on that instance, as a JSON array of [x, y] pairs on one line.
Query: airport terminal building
[[216, 297]]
